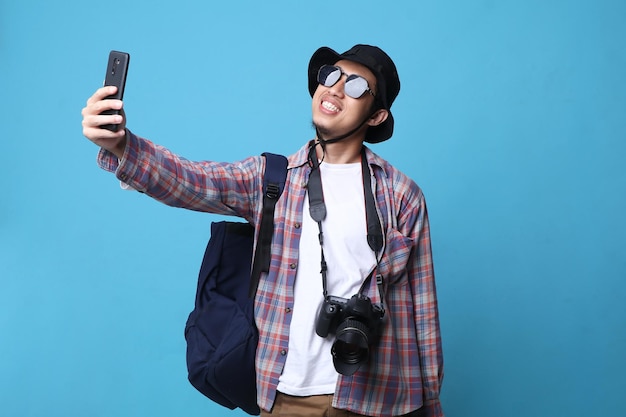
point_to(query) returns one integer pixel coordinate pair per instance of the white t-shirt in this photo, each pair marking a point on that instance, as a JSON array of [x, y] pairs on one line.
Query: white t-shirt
[[309, 368]]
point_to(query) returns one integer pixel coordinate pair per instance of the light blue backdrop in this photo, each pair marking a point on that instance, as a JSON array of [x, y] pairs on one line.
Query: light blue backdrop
[[512, 118]]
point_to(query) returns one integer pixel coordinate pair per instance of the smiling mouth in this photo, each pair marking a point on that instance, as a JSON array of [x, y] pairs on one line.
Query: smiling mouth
[[330, 107]]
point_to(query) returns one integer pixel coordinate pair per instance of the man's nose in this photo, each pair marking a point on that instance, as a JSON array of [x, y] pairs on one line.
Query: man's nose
[[339, 87]]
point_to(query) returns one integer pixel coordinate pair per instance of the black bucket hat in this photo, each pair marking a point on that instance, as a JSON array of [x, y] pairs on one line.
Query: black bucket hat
[[383, 68]]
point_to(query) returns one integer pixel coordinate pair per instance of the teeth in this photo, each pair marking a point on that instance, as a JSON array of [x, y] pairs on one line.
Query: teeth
[[330, 106]]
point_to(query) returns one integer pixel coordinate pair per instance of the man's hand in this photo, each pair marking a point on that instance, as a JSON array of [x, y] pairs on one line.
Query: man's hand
[[114, 142]]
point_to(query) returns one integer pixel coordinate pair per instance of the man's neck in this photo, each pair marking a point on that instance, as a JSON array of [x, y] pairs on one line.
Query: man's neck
[[345, 151]]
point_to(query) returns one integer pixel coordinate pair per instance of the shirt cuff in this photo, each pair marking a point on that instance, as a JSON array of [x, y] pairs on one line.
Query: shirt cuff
[[126, 187], [109, 161], [431, 408]]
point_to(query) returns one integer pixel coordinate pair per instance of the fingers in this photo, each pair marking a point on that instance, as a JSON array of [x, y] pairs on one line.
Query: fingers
[[98, 102], [92, 124], [122, 123], [102, 93], [101, 111], [103, 137], [93, 120]]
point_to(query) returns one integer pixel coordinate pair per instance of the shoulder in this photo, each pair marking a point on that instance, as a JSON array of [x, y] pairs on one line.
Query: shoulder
[[300, 157]]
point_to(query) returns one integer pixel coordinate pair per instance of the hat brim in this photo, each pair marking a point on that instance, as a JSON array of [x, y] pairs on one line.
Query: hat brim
[[324, 56]]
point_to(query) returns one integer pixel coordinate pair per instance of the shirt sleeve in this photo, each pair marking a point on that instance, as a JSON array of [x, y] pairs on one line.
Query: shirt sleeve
[[214, 187], [422, 278]]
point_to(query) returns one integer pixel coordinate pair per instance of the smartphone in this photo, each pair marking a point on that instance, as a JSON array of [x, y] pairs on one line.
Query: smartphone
[[117, 71]]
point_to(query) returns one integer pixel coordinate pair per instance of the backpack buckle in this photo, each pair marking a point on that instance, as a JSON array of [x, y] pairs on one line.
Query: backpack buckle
[[272, 191]]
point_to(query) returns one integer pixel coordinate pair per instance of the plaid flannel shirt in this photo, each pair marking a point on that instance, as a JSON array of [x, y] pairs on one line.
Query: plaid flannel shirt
[[405, 370]]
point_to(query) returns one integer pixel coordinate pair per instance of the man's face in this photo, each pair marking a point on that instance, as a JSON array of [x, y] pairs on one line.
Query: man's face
[[336, 113]]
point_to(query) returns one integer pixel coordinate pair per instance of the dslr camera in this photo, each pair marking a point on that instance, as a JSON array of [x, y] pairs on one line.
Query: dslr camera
[[356, 323]]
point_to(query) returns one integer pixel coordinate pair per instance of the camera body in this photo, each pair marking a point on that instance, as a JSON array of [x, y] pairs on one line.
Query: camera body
[[356, 323], [336, 310]]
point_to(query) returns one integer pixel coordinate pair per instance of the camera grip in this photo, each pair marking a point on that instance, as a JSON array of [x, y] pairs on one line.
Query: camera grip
[[325, 318]]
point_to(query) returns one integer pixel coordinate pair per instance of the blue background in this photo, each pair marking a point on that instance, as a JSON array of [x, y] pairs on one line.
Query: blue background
[[511, 118]]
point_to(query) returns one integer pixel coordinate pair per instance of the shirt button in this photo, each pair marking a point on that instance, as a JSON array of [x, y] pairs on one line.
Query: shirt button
[[297, 225], [292, 266], [283, 352], [288, 309], [123, 177]]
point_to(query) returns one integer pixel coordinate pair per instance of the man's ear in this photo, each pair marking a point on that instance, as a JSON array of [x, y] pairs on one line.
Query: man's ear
[[378, 117]]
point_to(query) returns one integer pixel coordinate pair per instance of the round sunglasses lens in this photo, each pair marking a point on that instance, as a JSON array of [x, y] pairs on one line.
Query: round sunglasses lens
[[356, 86], [328, 75]]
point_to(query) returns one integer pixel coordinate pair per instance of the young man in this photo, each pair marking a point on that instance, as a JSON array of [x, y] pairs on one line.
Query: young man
[[374, 305]]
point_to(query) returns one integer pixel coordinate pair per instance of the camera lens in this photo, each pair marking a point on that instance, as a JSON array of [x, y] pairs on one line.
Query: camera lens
[[350, 349], [349, 352]]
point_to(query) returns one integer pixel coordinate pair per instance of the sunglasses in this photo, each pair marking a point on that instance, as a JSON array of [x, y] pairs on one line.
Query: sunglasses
[[355, 86]]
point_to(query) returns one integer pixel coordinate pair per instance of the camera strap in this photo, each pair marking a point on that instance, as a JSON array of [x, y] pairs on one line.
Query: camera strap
[[317, 210]]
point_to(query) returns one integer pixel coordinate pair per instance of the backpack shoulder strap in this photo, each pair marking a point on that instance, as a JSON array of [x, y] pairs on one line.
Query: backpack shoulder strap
[[273, 185]]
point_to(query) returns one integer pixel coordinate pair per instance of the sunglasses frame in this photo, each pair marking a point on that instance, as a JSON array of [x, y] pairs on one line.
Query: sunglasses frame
[[348, 79]]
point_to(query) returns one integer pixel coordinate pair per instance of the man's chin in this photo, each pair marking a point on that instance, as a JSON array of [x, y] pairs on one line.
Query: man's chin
[[320, 130]]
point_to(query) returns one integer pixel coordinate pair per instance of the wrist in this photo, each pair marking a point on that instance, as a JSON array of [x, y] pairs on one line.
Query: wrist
[[120, 146]]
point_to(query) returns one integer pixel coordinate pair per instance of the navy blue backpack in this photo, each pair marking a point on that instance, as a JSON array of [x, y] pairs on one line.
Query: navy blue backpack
[[220, 332]]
